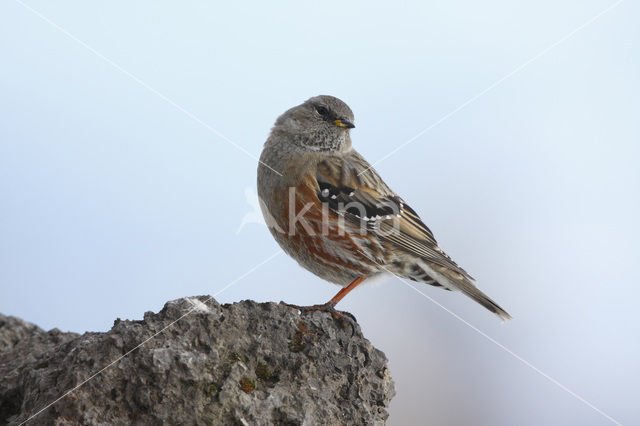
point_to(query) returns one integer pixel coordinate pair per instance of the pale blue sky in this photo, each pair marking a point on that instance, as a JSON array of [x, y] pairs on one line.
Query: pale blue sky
[[115, 201]]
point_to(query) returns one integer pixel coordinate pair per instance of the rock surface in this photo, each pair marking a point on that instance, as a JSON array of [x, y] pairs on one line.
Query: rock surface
[[202, 363]]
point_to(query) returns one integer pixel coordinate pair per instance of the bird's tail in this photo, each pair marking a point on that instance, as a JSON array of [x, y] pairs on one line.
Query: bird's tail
[[453, 280], [468, 288]]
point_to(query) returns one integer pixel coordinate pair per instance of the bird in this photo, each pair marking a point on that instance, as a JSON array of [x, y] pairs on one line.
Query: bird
[[328, 209]]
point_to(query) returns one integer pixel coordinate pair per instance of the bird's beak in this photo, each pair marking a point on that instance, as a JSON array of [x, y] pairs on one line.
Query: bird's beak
[[344, 123]]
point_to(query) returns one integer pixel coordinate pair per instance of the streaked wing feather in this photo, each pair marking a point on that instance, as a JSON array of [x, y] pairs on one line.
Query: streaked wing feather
[[367, 202]]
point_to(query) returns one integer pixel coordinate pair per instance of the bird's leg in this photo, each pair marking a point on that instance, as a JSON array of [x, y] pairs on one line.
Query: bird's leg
[[344, 291], [330, 306]]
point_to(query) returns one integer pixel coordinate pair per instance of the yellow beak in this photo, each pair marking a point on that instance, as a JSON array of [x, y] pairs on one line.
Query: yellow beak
[[344, 123]]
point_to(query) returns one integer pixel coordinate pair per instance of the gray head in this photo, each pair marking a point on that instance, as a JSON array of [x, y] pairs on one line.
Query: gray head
[[321, 123]]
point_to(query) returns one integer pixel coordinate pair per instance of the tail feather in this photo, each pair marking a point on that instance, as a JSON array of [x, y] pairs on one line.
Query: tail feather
[[453, 280], [476, 294]]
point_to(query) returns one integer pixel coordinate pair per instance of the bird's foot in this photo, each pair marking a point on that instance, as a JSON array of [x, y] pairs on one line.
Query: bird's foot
[[327, 307]]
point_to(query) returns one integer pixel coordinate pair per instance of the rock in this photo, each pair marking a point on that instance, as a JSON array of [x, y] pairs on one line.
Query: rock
[[199, 363]]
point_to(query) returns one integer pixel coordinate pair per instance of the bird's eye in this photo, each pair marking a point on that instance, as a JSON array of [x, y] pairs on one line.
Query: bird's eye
[[323, 111]]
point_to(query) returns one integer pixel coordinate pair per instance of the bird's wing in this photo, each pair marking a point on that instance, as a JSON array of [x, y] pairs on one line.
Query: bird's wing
[[354, 190]]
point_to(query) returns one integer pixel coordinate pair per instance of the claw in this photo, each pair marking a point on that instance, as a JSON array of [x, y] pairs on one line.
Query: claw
[[327, 307]]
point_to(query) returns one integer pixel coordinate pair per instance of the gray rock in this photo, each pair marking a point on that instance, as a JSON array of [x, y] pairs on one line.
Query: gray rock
[[201, 363]]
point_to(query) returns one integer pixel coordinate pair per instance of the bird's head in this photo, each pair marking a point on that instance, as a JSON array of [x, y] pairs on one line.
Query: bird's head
[[320, 124]]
